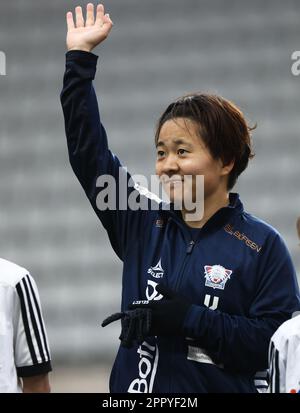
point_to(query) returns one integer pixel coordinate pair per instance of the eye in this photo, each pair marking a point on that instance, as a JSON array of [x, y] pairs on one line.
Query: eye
[[160, 154], [182, 151]]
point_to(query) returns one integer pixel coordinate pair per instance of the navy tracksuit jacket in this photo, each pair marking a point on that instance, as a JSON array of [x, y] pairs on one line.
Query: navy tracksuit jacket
[[236, 270]]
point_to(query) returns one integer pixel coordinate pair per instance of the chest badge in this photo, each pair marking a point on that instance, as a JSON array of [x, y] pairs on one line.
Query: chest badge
[[157, 271], [216, 276]]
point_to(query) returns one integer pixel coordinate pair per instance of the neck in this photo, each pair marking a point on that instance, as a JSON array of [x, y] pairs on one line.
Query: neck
[[212, 204]]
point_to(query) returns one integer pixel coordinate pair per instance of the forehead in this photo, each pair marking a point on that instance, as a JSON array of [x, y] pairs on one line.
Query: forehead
[[178, 129]]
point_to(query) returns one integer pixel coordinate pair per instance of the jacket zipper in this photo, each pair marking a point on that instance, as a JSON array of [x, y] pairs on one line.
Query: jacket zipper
[[189, 250], [190, 247]]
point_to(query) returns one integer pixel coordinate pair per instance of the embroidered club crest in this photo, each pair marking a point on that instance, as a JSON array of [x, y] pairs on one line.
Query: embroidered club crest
[[216, 276]]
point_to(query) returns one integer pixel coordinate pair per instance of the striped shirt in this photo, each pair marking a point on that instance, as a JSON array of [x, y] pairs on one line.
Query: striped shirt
[[284, 357], [24, 349], [261, 380]]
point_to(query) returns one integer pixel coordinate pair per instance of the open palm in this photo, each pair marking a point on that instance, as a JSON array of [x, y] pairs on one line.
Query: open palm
[[85, 35]]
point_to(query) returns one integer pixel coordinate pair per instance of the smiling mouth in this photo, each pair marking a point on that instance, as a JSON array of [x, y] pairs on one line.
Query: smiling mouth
[[172, 181]]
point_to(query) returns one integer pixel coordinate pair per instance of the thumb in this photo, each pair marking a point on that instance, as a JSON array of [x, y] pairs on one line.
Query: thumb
[[165, 291], [112, 318]]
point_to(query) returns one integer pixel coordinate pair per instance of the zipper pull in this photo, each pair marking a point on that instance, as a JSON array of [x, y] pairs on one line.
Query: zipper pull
[[190, 247]]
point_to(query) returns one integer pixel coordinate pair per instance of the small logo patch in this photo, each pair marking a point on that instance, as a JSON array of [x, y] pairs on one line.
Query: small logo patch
[[159, 223], [157, 271], [216, 276]]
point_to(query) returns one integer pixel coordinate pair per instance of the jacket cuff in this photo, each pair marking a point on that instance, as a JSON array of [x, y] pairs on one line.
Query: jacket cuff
[[193, 323], [35, 370], [81, 56], [81, 64]]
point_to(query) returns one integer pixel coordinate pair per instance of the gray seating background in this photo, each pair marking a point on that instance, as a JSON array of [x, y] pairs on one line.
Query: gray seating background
[[158, 50]]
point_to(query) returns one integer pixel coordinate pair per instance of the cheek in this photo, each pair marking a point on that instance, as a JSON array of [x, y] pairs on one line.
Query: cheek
[[202, 166], [157, 169], [193, 167]]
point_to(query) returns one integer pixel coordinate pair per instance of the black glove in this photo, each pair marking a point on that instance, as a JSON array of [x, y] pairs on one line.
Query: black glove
[[167, 314], [135, 325]]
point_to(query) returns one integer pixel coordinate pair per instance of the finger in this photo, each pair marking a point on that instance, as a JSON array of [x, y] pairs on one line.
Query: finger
[[129, 334], [147, 323], [79, 17], [90, 19], [108, 19], [70, 21], [100, 14], [165, 291], [140, 331], [107, 24], [112, 318], [124, 327], [143, 328]]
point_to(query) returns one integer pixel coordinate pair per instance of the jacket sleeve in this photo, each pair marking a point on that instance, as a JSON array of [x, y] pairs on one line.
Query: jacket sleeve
[[98, 170], [241, 343]]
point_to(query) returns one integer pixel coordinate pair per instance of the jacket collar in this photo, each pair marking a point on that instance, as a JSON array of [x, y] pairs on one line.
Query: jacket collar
[[234, 207]]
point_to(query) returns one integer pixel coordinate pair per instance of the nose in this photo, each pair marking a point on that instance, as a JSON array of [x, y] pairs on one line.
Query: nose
[[169, 165]]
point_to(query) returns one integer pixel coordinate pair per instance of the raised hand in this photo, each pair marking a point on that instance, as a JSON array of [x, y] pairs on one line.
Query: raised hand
[[87, 35]]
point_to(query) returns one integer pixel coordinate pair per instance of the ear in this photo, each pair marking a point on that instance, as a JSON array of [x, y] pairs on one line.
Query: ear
[[226, 169]]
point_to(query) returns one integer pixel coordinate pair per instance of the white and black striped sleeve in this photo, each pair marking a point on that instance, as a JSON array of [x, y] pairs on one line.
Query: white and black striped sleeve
[[284, 358], [277, 367], [32, 356]]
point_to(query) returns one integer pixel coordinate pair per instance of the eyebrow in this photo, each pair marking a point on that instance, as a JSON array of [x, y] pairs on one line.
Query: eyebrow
[[176, 141]]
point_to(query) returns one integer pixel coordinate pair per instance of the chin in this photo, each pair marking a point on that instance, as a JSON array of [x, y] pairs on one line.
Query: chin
[[177, 200]]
